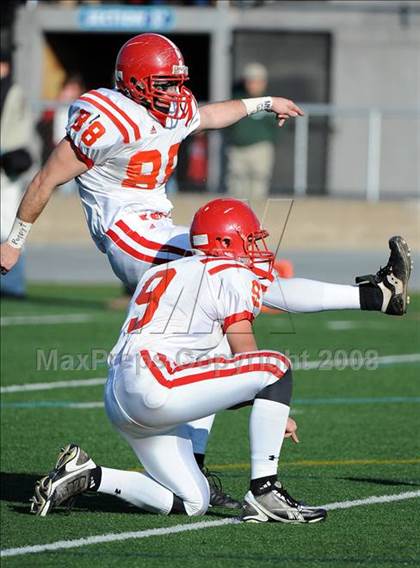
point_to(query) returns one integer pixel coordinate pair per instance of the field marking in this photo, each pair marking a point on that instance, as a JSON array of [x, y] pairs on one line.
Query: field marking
[[347, 325], [306, 366], [382, 361], [299, 401], [372, 500], [53, 404], [358, 400], [53, 385], [114, 537], [45, 320], [316, 463]]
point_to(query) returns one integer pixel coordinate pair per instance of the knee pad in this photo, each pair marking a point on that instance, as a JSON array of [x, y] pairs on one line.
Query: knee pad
[[280, 390], [198, 503], [196, 508]]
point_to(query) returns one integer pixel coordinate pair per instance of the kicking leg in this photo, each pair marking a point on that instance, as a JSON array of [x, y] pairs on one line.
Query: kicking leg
[[386, 291], [303, 295]]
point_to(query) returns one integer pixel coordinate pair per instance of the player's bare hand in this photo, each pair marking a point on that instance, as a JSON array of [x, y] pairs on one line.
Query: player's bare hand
[[291, 428], [8, 257], [284, 109]]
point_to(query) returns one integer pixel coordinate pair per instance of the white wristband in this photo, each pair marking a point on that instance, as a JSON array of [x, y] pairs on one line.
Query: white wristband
[[258, 104], [18, 234]]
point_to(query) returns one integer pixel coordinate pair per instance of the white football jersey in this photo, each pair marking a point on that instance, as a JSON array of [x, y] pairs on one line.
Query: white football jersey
[[182, 309], [129, 153]]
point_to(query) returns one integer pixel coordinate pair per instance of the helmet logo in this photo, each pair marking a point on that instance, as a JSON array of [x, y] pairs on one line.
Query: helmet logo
[[200, 240], [179, 70]]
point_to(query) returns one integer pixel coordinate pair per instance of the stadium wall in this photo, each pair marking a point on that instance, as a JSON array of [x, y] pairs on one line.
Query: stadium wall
[[313, 223]]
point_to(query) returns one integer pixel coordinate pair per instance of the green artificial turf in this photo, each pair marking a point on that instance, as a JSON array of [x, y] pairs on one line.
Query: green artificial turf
[[359, 431]]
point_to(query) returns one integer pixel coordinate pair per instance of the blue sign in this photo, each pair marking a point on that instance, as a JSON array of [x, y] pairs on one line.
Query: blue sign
[[126, 18]]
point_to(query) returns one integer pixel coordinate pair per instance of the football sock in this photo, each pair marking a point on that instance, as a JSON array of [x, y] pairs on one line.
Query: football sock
[[267, 426], [136, 488], [199, 458], [95, 478], [262, 484], [177, 506], [371, 297], [303, 295]]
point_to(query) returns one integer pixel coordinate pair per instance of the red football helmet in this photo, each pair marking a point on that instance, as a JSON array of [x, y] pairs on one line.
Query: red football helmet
[[147, 66], [229, 227]]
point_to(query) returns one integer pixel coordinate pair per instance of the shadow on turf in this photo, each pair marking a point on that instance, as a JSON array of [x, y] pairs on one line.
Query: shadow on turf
[[377, 481], [18, 488]]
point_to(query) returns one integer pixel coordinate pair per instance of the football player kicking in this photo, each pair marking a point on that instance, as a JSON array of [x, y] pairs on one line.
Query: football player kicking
[[187, 307], [121, 146]]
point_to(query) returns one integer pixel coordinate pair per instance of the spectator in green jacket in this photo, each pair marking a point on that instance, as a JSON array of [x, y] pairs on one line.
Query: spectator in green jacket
[[251, 142]]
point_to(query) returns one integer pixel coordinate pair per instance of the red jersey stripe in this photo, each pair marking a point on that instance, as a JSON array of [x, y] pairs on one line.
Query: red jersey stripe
[[131, 251], [114, 119], [221, 267], [263, 274], [257, 271], [216, 258], [214, 374], [124, 115], [245, 315], [160, 247]]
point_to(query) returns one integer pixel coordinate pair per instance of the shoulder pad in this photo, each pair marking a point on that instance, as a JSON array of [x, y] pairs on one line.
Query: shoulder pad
[[106, 103]]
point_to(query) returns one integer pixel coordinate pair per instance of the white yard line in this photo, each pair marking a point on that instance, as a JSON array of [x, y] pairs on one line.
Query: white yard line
[[372, 500], [52, 319], [53, 385], [114, 537], [346, 325], [381, 361], [305, 366]]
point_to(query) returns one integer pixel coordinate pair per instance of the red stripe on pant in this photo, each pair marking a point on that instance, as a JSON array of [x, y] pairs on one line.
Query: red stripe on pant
[[161, 247], [133, 252], [214, 374]]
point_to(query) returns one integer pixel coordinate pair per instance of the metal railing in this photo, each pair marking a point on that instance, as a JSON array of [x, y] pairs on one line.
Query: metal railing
[[374, 117]]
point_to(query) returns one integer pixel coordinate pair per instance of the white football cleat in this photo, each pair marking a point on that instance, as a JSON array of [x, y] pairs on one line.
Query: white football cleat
[[70, 477], [278, 506]]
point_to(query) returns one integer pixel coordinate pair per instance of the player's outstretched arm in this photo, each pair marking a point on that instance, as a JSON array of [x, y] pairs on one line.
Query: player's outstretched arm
[[220, 115], [62, 166]]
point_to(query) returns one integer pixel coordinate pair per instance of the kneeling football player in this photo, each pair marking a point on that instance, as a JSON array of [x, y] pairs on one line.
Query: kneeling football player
[[201, 306]]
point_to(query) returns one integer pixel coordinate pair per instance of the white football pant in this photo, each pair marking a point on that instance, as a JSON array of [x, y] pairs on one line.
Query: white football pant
[[150, 402]]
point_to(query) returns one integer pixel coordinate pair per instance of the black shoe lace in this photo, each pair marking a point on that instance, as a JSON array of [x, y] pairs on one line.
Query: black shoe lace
[[213, 479], [287, 497], [375, 278]]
